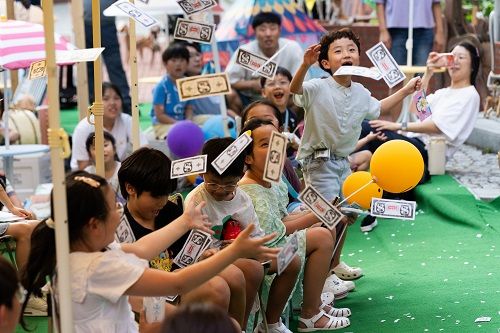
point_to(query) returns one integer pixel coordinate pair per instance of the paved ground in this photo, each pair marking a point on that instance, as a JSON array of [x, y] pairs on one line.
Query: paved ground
[[479, 172]]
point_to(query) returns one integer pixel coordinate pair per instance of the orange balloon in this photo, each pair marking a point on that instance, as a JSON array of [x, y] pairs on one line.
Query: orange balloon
[[192, 178], [397, 166], [363, 198]]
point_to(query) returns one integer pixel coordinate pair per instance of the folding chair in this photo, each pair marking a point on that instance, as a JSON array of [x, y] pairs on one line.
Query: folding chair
[[262, 309]]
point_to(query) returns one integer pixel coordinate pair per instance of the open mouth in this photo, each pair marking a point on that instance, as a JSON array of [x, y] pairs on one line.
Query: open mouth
[[278, 95], [347, 63]]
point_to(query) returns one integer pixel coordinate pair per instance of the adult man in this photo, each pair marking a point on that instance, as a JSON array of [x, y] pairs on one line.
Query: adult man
[[267, 27], [111, 53], [393, 17]]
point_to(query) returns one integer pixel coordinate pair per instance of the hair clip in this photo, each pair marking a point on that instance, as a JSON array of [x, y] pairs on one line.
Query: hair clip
[[89, 181], [50, 223]]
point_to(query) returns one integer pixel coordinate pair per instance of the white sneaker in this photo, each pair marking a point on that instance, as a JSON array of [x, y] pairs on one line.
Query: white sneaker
[[338, 287], [278, 327], [36, 306], [346, 272]]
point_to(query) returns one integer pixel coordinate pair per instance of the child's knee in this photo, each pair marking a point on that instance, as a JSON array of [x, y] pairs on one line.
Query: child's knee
[[218, 292], [234, 277], [320, 237], [252, 269]]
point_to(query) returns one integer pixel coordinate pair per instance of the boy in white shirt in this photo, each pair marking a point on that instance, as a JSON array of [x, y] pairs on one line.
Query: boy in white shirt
[[334, 110], [227, 204]]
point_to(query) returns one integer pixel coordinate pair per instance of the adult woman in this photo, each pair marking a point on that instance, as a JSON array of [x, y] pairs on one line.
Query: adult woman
[[454, 110], [116, 122]]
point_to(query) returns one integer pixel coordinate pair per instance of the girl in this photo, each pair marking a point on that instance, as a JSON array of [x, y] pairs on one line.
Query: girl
[[105, 274], [111, 162], [315, 244]]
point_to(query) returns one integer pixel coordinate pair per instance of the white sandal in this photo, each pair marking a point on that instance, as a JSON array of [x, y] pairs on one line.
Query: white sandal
[[335, 312], [334, 323]]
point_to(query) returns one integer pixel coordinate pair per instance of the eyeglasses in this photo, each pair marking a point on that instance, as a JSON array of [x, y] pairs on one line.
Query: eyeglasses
[[273, 84], [120, 209], [215, 187], [21, 293]]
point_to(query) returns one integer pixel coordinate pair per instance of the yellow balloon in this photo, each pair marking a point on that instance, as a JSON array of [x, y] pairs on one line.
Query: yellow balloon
[[397, 166], [192, 178], [363, 198]]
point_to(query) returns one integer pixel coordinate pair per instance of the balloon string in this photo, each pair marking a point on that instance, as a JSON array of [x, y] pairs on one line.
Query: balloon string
[[339, 239], [355, 192]]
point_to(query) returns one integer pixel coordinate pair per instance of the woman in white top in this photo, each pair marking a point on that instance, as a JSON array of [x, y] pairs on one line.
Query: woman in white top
[[116, 122], [454, 109], [105, 273]]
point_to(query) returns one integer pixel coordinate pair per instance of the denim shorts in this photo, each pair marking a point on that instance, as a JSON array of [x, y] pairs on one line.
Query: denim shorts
[[326, 175]]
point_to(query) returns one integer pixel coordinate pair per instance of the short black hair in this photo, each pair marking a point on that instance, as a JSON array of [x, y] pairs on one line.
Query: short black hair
[[265, 17], [175, 51], [264, 101], [213, 148], [186, 44], [107, 137], [332, 36], [251, 125], [147, 170], [280, 70], [475, 58]]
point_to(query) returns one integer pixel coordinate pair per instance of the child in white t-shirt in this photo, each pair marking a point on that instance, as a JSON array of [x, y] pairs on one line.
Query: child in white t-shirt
[[227, 206], [103, 273]]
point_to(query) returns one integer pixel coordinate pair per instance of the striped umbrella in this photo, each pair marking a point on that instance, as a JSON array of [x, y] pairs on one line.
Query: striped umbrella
[[22, 43]]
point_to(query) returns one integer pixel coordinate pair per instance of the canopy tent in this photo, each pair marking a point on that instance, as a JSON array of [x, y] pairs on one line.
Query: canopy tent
[[235, 27]]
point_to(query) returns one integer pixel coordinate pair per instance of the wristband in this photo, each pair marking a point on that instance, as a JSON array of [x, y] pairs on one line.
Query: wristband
[[404, 126]]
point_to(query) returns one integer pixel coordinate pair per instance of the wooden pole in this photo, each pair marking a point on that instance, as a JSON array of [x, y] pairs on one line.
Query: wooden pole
[[134, 89], [59, 149], [97, 108], [14, 78]]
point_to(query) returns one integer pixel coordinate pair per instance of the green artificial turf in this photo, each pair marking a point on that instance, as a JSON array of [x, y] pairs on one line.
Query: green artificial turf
[[435, 274]]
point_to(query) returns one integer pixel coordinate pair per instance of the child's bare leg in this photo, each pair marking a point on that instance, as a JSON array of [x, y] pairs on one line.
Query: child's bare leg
[[236, 282], [340, 246], [21, 232], [281, 288], [215, 291], [254, 273], [319, 250]]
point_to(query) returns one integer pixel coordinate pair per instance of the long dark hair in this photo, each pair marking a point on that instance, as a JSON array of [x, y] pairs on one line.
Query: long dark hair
[[8, 281], [264, 101], [85, 199], [108, 85], [475, 58]]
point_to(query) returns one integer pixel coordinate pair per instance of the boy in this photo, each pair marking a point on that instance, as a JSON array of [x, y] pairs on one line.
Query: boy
[[225, 201], [167, 108], [334, 110], [146, 185]]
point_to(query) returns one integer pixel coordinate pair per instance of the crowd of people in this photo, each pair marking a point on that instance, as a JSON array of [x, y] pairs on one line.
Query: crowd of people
[[126, 228]]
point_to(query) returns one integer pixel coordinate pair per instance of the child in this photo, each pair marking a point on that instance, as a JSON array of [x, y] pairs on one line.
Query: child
[[315, 244], [104, 274], [334, 110], [146, 185], [226, 202], [167, 108], [12, 296], [111, 162], [278, 92]]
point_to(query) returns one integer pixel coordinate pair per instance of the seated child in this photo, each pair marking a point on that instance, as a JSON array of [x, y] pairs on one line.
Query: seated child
[[146, 185], [111, 162], [104, 273], [228, 204], [167, 107], [11, 297], [315, 244]]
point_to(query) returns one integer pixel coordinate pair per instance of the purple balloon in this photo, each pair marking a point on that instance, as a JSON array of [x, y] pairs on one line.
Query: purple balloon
[[185, 139]]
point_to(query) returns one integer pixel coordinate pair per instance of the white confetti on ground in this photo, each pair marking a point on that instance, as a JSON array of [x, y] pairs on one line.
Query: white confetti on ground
[[369, 298], [392, 235], [389, 297], [383, 320], [490, 274], [466, 262], [423, 264], [396, 320], [479, 235], [456, 302]]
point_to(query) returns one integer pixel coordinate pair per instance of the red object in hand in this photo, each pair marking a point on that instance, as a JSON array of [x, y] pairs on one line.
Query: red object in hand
[[231, 230]]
